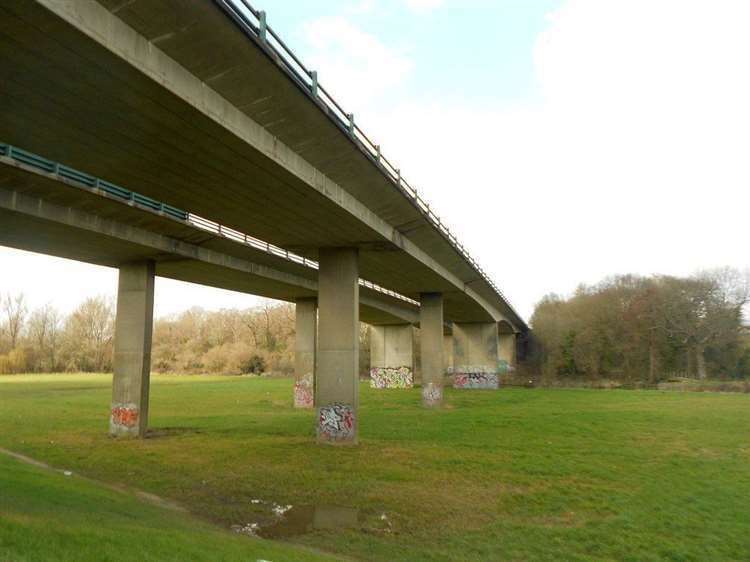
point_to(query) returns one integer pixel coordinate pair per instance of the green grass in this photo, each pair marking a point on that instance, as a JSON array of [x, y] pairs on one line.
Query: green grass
[[511, 475], [47, 516]]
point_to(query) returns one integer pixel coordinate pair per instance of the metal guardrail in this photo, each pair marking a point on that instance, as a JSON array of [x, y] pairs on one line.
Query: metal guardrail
[[104, 188], [254, 23], [93, 183], [237, 236]]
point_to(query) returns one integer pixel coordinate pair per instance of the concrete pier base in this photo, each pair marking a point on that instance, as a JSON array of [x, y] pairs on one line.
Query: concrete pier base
[[305, 343], [475, 355], [431, 342], [392, 356], [337, 380], [132, 354]]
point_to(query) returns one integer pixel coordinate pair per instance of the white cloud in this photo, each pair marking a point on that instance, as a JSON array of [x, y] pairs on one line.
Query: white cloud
[[423, 6], [363, 7], [634, 160], [353, 65]]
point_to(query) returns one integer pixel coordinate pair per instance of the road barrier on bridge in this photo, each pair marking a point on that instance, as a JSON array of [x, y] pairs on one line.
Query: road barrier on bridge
[[93, 183], [254, 24], [108, 189]]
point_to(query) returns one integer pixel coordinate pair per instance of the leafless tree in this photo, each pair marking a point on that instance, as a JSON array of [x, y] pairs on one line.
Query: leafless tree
[[14, 308], [44, 329]]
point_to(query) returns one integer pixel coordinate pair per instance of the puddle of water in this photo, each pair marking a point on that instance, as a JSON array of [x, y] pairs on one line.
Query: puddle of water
[[303, 519]]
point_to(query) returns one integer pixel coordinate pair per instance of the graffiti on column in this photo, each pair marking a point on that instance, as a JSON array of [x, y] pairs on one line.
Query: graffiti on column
[[432, 394], [336, 422], [391, 377], [303, 391], [124, 415], [476, 376]]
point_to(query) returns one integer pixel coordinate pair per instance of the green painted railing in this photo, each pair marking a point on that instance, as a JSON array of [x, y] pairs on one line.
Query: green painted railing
[[89, 181]]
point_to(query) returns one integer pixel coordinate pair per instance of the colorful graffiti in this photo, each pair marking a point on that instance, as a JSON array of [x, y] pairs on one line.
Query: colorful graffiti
[[303, 391], [336, 422], [476, 377], [124, 416], [391, 377], [432, 394]]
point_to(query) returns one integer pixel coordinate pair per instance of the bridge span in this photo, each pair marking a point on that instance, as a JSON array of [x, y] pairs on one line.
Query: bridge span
[[184, 139]]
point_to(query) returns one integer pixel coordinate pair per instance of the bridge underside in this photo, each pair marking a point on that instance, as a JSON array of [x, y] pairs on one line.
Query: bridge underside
[[46, 215]]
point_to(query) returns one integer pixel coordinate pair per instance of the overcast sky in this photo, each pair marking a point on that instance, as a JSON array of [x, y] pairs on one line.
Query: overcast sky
[[562, 140]]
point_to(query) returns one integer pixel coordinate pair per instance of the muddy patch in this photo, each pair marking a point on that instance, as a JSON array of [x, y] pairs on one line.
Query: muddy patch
[[278, 521], [304, 519]]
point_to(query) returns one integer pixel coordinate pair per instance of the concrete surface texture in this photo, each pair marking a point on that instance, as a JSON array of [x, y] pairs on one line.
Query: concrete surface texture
[[431, 342], [475, 355], [507, 350], [392, 356], [305, 346], [337, 376]]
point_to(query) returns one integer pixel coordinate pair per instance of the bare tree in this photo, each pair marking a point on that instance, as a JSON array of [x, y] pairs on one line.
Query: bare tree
[[43, 329], [89, 331], [14, 308]]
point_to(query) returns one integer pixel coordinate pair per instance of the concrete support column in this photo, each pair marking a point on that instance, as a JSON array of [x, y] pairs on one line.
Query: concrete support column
[[132, 359], [431, 348], [337, 377], [448, 354], [305, 342], [475, 355], [507, 353], [392, 356]]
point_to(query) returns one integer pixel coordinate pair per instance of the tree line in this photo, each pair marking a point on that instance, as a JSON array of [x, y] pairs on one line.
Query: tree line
[[647, 329], [628, 327], [44, 340], [252, 341]]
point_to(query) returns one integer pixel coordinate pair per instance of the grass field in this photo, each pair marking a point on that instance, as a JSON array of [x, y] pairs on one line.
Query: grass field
[[519, 474]]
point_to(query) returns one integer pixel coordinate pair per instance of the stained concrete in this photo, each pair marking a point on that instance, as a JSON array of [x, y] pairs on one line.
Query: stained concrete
[[448, 352], [337, 376], [507, 350], [431, 348], [305, 347], [392, 346], [475, 355], [392, 356], [132, 353]]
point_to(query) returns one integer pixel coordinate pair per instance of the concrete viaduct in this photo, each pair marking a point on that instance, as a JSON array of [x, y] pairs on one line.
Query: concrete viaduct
[[183, 139]]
